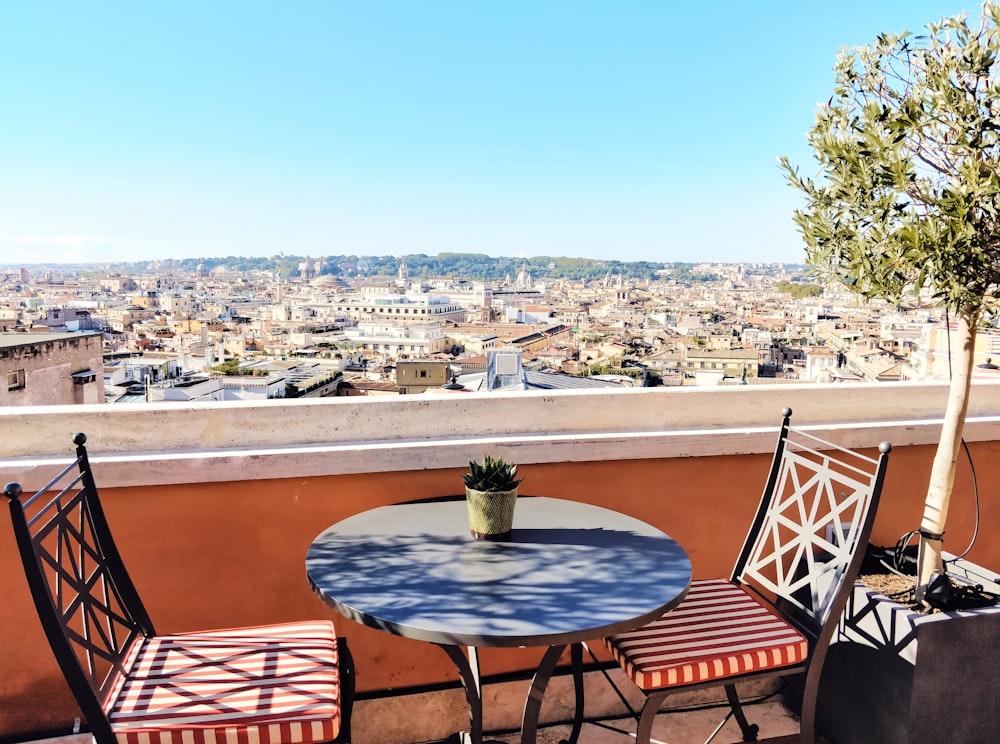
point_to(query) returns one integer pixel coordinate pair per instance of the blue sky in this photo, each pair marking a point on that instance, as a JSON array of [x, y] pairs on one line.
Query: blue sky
[[625, 129]]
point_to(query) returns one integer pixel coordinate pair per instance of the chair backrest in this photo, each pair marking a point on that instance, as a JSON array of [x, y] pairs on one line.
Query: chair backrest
[[87, 604], [805, 546]]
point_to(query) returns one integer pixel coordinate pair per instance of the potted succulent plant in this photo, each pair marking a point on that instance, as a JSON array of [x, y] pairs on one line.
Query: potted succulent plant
[[491, 494]]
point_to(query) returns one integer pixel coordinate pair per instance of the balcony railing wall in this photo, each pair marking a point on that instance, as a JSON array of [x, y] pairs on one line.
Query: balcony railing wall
[[215, 505]]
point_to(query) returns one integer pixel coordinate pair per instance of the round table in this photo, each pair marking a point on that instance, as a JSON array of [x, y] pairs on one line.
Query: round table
[[571, 572]]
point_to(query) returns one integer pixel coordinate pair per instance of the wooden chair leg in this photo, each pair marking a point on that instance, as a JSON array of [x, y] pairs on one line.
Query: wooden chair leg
[[750, 730]]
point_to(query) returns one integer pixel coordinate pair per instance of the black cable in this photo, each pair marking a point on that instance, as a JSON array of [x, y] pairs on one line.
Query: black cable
[[899, 553], [902, 542], [968, 454], [975, 491]]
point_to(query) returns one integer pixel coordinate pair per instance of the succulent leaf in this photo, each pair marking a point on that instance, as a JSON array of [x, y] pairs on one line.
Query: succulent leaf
[[492, 474]]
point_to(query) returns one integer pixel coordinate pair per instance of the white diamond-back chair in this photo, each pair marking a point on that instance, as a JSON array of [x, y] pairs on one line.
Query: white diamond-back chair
[[777, 612], [290, 683]]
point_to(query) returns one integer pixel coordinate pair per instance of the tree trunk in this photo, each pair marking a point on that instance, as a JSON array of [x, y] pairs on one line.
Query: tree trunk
[[943, 470]]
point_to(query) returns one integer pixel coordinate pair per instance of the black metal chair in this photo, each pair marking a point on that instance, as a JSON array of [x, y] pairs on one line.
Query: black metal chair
[[273, 684], [776, 614]]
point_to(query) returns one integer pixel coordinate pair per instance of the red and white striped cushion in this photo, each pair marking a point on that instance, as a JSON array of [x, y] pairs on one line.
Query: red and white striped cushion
[[272, 684], [718, 631]]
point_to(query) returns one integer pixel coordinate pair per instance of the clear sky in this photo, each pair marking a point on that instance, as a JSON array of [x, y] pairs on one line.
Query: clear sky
[[625, 129]]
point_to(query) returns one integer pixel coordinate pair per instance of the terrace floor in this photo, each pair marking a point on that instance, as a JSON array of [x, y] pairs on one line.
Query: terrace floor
[[777, 724]]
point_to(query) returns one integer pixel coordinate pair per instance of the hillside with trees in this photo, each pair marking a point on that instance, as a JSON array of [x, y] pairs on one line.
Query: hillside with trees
[[461, 265]]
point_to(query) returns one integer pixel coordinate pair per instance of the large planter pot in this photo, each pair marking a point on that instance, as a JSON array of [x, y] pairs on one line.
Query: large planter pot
[[894, 676], [491, 513]]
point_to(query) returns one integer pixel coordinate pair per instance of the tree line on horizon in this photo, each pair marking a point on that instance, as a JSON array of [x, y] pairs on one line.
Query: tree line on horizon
[[462, 265]]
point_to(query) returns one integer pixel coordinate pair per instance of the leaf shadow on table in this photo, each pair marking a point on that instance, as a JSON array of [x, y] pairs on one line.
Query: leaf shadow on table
[[547, 585]]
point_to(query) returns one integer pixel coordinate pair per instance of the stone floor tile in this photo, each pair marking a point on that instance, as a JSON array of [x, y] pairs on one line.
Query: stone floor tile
[[688, 727]]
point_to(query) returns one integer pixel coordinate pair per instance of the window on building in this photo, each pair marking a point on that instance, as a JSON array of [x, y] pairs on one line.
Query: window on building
[[423, 373], [15, 379]]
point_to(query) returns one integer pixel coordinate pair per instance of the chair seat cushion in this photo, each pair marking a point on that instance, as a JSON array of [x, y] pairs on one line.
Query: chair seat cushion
[[272, 684], [717, 631]]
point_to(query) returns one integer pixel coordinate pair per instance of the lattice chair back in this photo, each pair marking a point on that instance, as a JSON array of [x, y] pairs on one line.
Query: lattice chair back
[[284, 683], [88, 606], [816, 512]]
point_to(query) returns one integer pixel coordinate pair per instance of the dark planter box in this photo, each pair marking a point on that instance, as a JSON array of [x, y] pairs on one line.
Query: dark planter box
[[897, 677]]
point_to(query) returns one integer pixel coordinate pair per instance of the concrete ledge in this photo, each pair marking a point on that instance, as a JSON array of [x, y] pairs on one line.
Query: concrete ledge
[[183, 443], [237, 464]]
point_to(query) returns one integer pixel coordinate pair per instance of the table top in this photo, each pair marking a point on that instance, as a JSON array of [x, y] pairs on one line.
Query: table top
[[571, 572]]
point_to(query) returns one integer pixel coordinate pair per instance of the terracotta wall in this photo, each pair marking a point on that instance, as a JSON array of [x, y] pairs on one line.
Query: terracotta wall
[[225, 554]]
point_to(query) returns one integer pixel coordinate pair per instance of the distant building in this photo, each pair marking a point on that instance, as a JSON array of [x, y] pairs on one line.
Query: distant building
[[122, 319], [823, 364], [543, 338], [402, 308], [307, 269], [473, 343], [505, 372], [730, 362], [528, 313], [417, 375], [51, 369], [68, 319], [399, 340], [117, 283], [524, 282], [932, 358]]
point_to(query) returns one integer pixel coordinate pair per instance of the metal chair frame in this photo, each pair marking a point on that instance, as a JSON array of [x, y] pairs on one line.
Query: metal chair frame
[[89, 608], [803, 518]]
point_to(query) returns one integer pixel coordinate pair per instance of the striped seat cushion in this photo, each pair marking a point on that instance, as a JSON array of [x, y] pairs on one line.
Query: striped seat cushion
[[718, 631], [272, 684]]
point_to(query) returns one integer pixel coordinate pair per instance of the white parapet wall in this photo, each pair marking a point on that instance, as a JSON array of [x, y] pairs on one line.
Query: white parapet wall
[[166, 443]]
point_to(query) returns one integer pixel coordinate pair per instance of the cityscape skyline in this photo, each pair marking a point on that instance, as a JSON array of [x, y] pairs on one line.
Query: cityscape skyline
[[464, 266], [642, 132]]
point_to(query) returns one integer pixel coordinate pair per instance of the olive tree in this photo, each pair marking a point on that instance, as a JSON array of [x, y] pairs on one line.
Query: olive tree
[[906, 201]]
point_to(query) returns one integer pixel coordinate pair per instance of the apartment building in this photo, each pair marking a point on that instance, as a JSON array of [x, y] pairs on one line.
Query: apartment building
[[404, 308], [51, 369], [399, 340], [419, 375]]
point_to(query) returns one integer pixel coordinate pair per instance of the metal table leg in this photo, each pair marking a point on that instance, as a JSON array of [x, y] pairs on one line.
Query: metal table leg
[[576, 657], [468, 671], [533, 705]]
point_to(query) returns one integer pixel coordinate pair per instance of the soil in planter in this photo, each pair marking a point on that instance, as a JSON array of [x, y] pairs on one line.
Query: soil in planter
[[944, 594], [894, 586], [957, 596]]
